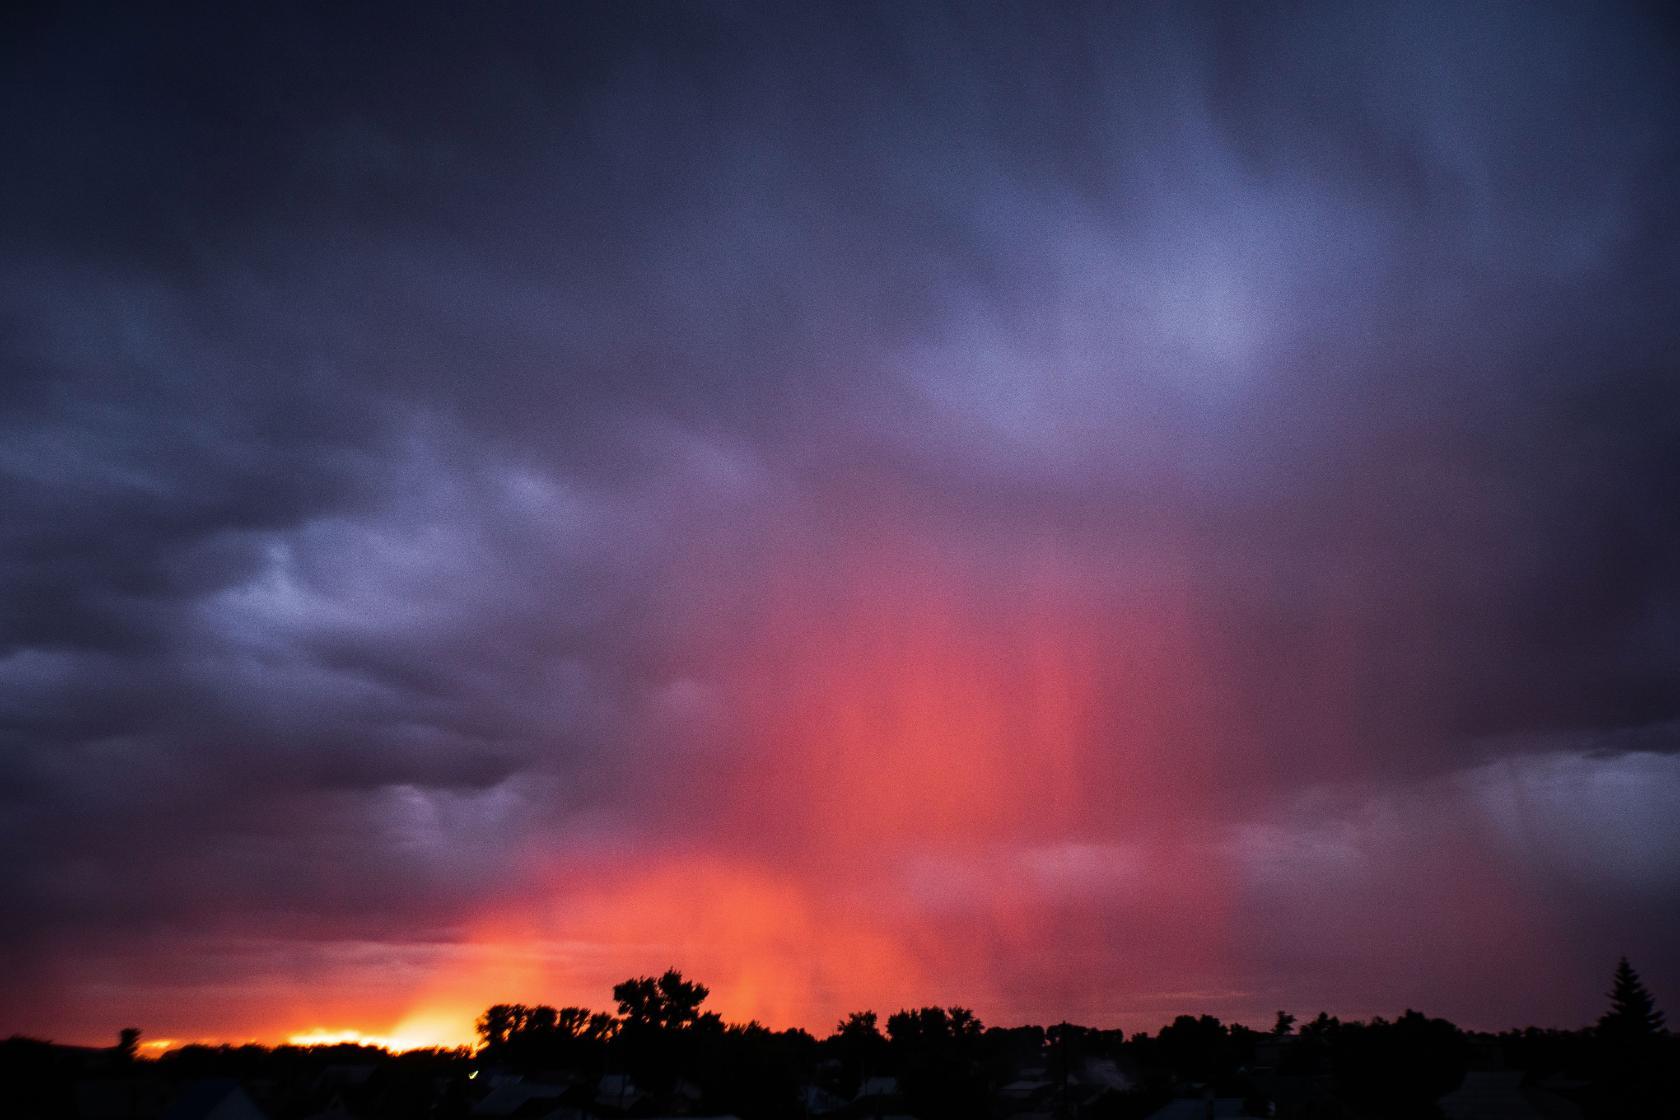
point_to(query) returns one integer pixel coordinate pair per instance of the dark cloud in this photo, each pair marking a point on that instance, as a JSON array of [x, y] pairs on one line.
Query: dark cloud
[[441, 449]]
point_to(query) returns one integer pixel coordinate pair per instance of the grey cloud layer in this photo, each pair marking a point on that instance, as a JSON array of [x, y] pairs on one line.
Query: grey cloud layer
[[380, 389]]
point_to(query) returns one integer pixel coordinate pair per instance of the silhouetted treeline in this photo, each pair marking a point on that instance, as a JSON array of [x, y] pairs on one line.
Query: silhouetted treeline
[[659, 1053], [42, 1080]]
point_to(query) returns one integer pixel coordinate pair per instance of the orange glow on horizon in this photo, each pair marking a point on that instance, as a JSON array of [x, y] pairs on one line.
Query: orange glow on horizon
[[918, 786], [403, 1040], [926, 782]]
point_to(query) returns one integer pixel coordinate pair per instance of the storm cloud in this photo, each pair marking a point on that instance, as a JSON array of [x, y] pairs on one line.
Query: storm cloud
[[1090, 513]]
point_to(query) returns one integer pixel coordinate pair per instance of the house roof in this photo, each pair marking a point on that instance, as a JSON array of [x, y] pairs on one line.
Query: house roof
[[505, 1100], [216, 1099]]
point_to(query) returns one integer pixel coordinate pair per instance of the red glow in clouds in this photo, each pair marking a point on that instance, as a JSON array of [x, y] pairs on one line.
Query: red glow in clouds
[[929, 789], [893, 777]]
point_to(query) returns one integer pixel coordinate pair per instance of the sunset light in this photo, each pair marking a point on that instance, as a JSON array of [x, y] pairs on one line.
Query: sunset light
[[839, 560]]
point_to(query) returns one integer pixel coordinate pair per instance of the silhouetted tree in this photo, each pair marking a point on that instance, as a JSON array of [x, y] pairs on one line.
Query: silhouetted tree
[[1633, 1014], [1635, 1057], [574, 1022], [128, 1043], [1315, 1041], [1195, 1049], [938, 1051], [668, 1003], [1398, 1069], [659, 1021], [964, 1023], [540, 1020], [859, 1046], [497, 1024], [858, 1026], [1285, 1023]]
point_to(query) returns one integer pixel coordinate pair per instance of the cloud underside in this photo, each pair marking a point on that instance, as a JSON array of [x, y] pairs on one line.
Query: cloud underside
[[1121, 514]]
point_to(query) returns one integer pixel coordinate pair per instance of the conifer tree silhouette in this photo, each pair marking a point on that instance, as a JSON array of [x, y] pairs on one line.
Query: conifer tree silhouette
[[1633, 1013]]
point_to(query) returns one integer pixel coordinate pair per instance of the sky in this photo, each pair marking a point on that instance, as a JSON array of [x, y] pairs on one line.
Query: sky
[[1087, 512]]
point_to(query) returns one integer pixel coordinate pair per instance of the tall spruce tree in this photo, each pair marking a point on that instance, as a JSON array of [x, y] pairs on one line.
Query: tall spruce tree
[[1633, 1014]]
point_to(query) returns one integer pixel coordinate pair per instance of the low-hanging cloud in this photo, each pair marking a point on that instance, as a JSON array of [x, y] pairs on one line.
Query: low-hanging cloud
[[1039, 509]]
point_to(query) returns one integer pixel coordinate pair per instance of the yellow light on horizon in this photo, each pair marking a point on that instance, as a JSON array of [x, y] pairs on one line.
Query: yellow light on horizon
[[411, 1034]]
